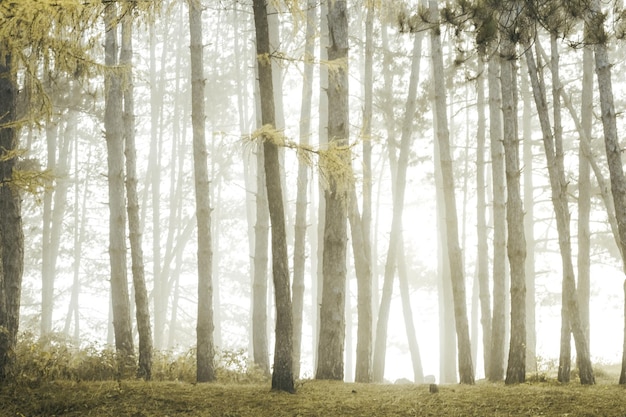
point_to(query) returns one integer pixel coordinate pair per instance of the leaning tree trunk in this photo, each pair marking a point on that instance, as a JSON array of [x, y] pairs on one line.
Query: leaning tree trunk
[[466, 368], [611, 140], [117, 206], [554, 155], [282, 375], [330, 361], [134, 225], [205, 350]]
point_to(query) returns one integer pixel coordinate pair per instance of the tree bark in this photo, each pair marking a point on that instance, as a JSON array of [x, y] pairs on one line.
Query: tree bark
[[496, 350], [299, 250], [282, 375], [134, 225], [516, 242], [117, 205], [330, 363], [481, 223], [466, 368], [11, 233], [611, 140], [205, 350]]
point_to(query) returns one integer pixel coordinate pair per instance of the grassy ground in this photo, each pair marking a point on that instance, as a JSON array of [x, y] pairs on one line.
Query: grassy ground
[[313, 398]]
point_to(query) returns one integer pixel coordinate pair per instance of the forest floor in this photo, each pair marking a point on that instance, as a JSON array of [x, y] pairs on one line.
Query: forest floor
[[313, 398]]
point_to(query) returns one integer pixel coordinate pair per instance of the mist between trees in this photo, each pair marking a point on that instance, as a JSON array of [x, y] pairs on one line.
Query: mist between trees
[[160, 161]]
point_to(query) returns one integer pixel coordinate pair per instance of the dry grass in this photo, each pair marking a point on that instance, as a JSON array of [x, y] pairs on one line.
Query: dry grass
[[313, 398]]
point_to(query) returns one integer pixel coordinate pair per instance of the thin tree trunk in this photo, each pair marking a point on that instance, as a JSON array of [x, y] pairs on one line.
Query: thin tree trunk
[[529, 224], [261, 236], [282, 375], [554, 155], [496, 355], [117, 206], [364, 297], [481, 224], [205, 350], [584, 193], [139, 281], [466, 368], [299, 251]]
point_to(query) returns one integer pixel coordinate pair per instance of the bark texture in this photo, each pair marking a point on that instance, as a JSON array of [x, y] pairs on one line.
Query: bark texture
[[113, 127], [142, 302], [282, 375], [466, 368], [330, 362], [205, 351]]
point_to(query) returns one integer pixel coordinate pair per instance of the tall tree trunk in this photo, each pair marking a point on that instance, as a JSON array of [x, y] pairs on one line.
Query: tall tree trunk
[[481, 223], [47, 272], [330, 363], [466, 368], [299, 252], [139, 281], [584, 193], [261, 236], [553, 145], [529, 225], [496, 355], [204, 331], [117, 205], [516, 242], [11, 233], [611, 140], [282, 375]]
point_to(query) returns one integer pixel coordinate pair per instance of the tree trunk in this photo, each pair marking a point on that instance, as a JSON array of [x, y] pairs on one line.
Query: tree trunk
[[516, 242], [466, 368], [299, 252], [481, 223], [11, 233], [584, 193], [529, 225], [611, 140], [282, 375], [496, 350], [330, 363], [554, 155], [139, 281], [204, 331], [364, 295], [117, 206]]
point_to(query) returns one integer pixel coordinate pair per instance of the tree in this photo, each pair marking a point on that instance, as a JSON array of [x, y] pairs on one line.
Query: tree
[[134, 226], [11, 234], [466, 368], [598, 37], [299, 257], [282, 375], [554, 154], [117, 204], [332, 316], [516, 242], [205, 350]]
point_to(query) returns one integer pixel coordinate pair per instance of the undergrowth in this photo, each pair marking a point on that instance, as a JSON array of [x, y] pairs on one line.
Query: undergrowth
[[57, 357]]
